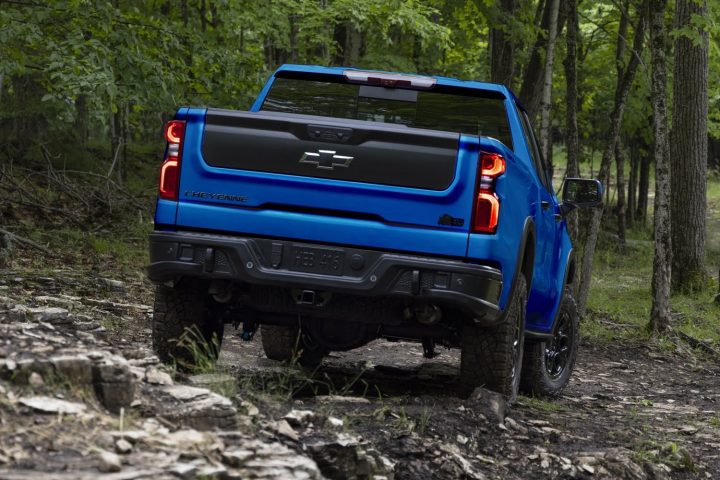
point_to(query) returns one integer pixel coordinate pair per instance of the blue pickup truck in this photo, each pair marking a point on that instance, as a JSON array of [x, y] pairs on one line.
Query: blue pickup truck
[[350, 205]]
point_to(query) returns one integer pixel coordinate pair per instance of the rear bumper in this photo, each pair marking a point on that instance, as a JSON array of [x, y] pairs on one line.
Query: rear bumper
[[474, 289]]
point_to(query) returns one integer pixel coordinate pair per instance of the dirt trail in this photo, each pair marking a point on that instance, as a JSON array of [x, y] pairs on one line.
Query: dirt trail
[[649, 412], [382, 411]]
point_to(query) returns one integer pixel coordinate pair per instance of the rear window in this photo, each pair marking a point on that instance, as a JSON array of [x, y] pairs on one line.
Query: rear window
[[471, 114]]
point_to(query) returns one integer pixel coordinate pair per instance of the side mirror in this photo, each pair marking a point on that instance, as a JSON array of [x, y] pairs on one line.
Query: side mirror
[[580, 193]]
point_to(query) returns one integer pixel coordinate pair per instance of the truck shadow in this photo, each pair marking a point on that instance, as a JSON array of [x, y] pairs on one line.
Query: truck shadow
[[379, 369]]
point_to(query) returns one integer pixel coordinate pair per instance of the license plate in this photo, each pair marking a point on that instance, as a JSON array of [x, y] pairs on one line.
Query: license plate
[[328, 261]]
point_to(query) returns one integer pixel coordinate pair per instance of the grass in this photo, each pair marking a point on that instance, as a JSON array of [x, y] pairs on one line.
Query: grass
[[620, 294], [620, 299], [669, 453], [543, 405]]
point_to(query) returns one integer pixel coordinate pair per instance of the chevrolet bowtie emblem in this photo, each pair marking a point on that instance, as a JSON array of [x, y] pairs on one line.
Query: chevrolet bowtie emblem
[[326, 159]]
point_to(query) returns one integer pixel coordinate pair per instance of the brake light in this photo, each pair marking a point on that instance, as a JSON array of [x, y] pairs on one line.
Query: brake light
[[486, 211], [389, 80], [170, 169]]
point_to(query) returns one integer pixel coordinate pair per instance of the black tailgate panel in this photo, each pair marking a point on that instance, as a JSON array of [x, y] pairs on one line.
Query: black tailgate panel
[[331, 148]]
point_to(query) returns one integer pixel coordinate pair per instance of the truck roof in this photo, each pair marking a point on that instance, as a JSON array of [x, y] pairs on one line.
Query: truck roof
[[448, 81]]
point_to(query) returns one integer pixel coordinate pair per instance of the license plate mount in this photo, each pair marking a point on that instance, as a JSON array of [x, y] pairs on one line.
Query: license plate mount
[[323, 261]]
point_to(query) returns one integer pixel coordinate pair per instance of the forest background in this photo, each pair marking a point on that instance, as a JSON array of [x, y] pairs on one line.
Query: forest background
[[86, 86]]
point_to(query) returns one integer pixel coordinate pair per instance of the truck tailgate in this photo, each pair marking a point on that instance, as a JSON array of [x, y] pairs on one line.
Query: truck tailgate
[[317, 178]]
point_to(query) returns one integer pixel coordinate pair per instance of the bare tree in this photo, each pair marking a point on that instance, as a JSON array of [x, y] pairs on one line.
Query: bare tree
[[620, 48], [546, 101], [532, 83], [572, 141], [662, 262], [688, 147], [616, 116]]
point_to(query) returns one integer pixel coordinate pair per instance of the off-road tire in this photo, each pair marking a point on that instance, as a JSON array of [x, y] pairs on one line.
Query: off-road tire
[[279, 342], [284, 343], [180, 309], [536, 379], [491, 357]]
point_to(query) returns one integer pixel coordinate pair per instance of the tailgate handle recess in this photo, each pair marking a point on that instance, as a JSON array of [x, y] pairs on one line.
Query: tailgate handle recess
[[329, 134]]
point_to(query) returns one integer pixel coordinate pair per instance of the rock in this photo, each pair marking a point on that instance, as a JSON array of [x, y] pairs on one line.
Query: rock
[[18, 313], [85, 325], [123, 446], [298, 418], [236, 458], [347, 457], [74, 368], [250, 408], [113, 285], [35, 380], [52, 405], [109, 462], [133, 436], [182, 439], [194, 407], [6, 302], [340, 399], [515, 426], [114, 383], [217, 382], [335, 422], [491, 404], [282, 427], [466, 469], [619, 462], [274, 460], [157, 377], [51, 315], [184, 470]]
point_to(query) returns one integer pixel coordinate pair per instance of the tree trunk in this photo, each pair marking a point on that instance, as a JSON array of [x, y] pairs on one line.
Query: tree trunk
[[620, 207], [502, 46], [688, 148], [546, 101], [81, 121], [660, 313], [532, 83], [572, 142], [619, 158], [643, 189], [604, 172], [292, 20], [632, 190], [353, 45]]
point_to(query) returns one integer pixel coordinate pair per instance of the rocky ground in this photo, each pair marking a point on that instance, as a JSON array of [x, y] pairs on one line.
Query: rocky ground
[[82, 396]]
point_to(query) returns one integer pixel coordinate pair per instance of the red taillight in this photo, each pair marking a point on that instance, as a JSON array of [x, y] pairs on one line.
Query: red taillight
[[486, 211], [170, 169], [174, 131], [169, 179], [491, 164]]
